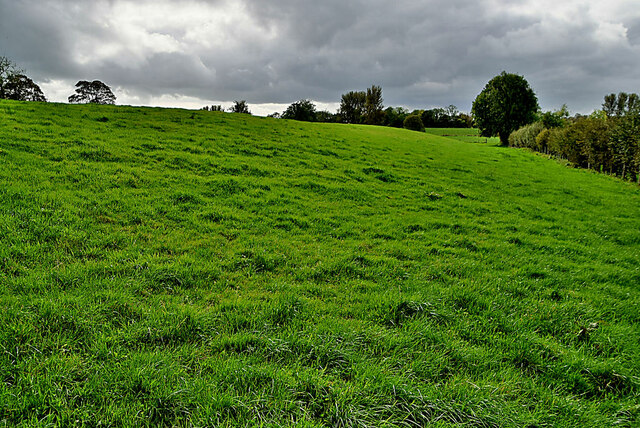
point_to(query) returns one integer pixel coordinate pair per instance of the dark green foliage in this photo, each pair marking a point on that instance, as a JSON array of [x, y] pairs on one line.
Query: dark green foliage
[[555, 119], [395, 116], [303, 110], [95, 92], [326, 116], [448, 117], [352, 106], [181, 268], [373, 108], [15, 85], [8, 69], [505, 104], [414, 123], [21, 88], [621, 105], [362, 107], [240, 107]]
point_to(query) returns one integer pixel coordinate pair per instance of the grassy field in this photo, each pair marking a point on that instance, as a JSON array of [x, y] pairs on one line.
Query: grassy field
[[186, 268], [469, 135]]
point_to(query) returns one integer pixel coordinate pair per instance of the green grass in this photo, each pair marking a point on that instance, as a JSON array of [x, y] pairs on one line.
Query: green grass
[[469, 135], [183, 268]]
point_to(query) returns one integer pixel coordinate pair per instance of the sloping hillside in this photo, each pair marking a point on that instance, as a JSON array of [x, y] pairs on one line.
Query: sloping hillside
[[190, 268]]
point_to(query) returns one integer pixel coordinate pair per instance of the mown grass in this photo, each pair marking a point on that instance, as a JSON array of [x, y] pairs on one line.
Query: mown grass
[[176, 268]]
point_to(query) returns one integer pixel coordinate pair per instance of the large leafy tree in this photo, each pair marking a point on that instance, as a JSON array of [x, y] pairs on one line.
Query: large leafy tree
[[21, 88], [15, 85], [506, 103], [373, 108], [352, 106], [94, 92], [303, 110]]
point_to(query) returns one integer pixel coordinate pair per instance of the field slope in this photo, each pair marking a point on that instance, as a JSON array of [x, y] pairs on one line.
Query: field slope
[[176, 268]]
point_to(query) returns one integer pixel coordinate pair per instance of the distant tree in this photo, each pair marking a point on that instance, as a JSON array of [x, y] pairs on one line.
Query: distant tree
[[303, 110], [395, 116], [447, 117], [373, 108], [94, 92], [240, 107], [621, 104], [352, 106], [633, 104], [465, 120], [506, 103], [275, 115], [433, 118], [325, 116], [414, 123], [213, 108], [21, 88], [15, 85], [8, 69], [609, 105]]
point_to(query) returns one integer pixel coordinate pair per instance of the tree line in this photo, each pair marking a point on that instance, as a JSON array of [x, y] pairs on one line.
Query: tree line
[[366, 107], [607, 141]]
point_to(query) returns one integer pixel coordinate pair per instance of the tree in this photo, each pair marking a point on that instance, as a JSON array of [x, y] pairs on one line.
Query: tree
[[7, 69], [434, 118], [621, 104], [240, 107], [373, 113], [555, 119], [414, 123], [609, 105], [15, 85], [325, 116], [20, 88], [352, 106], [303, 110], [395, 116], [506, 103], [94, 92]]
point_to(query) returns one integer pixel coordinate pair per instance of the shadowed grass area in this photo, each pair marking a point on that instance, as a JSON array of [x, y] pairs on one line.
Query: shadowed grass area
[[186, 268]]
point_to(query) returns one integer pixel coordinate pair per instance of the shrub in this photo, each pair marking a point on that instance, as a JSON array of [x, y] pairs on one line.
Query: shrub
[[414, 123], [526, 136]]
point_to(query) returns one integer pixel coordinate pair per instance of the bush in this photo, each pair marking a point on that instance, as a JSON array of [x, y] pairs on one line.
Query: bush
[[526, 136], [414, 123], [542, 141], [303, 110]]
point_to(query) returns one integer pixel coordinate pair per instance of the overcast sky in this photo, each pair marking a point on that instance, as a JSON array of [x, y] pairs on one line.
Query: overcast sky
[[272, 52]]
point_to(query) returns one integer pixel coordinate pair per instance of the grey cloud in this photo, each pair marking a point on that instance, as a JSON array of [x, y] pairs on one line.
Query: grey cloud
[[633, 32]]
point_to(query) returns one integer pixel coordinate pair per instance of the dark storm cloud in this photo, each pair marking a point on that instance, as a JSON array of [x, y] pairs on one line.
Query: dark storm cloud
[[422, 53]]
